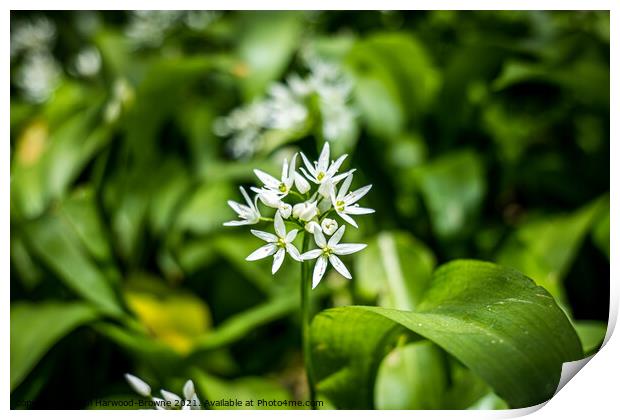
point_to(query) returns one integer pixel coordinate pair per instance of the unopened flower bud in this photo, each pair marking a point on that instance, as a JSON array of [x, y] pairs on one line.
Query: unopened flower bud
[[329, 226], [285, 210], [305, 211]]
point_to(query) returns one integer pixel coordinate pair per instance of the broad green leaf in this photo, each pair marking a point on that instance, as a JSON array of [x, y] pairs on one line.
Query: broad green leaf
[[544, 249], [453, 187], [36, 327], [51, 239], [81, 213], [494, 320]]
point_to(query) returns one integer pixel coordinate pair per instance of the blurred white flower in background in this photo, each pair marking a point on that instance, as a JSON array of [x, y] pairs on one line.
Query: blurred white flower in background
[[87, 62], [38, 76], [31, 36], [149, 28], [287, 107]]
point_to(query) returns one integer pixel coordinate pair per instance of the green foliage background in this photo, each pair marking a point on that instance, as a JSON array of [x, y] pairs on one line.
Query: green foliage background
[[485, 136]]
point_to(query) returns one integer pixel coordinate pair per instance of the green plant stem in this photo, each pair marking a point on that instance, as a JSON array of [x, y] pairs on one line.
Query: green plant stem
[[306, 317]]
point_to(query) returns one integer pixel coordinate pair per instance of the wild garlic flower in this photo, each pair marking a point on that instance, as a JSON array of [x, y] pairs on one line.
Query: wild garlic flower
[[280, 187], [305, 198], [345, 202], [278, 244], [170, 400], [322, 172], [32, 36], [288, 107], [248, 213], [328, 251]]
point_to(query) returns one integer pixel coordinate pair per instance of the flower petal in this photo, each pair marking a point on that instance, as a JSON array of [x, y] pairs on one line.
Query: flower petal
[[301, 184], [267, 179], [294, 252], [336, 179], [333, 168], [290, 176], [265, 236], [336, 237], [310, 166], [188, 390], [323, 158], [339, 266], [284, 170], [347, 218], [237, 207], [312, 254], [138, 385], [278, 259], [238, 223], [262, 252], [246, 196], [278, 225], [344, 188], [170, 396], [319, 270], [346, 249], [358, 210], [357, 194], [319, 238], [290, 237]]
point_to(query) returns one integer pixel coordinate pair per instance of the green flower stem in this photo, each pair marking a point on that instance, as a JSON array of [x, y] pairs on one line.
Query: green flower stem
[[306, 316]]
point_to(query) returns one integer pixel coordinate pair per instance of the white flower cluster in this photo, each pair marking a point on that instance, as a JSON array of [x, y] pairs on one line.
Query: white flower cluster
[[39, 73], [305, 209], [287, 107], [149, 28], [171, 401]]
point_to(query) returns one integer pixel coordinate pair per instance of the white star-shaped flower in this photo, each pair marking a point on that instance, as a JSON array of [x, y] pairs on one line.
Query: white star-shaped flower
[[344, 202], [282, 186], [322, 172], [249, 213], [328, 251], [278, 244]]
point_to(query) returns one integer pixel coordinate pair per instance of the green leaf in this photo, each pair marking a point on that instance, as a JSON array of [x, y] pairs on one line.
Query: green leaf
[[600, 231], [453, 187], [544, 249], [411, 377], [35, 328], [396, 267], [394, 80], [206, 210], [267, 41], [494, 320], [52, 240]]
